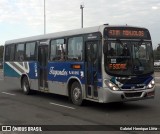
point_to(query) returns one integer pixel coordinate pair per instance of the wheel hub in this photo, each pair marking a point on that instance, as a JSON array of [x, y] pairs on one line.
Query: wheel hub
[[76, 93]]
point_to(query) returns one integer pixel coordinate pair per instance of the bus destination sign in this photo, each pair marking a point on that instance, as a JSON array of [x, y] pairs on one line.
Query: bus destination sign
[[126, 33]]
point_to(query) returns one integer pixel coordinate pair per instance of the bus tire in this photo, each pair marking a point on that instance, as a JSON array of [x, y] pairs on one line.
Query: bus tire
[[76, 94], [25, 86]]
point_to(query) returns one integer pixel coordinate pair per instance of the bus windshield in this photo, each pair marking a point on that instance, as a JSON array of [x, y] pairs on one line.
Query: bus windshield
[[127, 58]]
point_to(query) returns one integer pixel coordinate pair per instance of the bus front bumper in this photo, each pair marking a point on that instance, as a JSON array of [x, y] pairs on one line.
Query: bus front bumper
[[107, 95]]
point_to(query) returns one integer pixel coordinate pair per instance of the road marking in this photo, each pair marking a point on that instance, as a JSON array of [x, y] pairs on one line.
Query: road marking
[[61, 105], [8, 93]]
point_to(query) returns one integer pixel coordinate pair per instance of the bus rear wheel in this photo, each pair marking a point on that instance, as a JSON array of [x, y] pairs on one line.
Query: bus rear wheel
[[25, 86], [76, 94]]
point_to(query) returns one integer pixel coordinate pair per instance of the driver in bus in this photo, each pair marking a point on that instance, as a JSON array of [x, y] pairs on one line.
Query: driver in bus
[[124, 57], [125, 52], [111, 52]]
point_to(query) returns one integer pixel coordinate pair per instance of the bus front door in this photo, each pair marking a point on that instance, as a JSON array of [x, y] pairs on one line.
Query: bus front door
[[43, 61], [91, 69]]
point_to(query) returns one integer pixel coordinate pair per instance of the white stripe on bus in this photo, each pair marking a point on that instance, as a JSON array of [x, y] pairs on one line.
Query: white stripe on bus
[[14, 68], [23, 66]]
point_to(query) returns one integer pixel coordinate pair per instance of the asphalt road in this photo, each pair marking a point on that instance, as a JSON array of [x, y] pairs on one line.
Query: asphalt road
[[48, 109]]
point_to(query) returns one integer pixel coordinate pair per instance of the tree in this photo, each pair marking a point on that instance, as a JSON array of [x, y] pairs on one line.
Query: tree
[[158, 48], [1, 52], [157, 53]]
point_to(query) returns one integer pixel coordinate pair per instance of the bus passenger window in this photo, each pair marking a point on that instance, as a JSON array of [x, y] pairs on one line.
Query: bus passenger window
[[75, 46], [30, 53], [19, 53], [9, 52], [58, 50]]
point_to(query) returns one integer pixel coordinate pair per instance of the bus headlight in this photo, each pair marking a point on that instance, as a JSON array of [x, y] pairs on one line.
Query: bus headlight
[[111, 85], [151, 84], [115, 88]]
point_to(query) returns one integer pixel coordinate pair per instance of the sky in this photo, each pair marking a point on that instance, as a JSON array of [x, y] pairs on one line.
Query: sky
[[24, 18]]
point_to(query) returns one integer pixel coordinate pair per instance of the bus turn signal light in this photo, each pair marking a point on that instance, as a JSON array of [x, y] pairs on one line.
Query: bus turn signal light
[[76, 66]]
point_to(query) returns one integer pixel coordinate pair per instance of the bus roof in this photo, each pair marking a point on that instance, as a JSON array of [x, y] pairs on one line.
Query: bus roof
[[65, 33]]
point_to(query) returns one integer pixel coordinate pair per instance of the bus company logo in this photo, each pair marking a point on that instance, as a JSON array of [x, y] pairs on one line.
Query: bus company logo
[[133, 87], [57, 72]]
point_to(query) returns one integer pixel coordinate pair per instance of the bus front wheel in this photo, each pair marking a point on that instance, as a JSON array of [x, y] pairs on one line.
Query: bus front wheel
[[76, 94], [25, 86]]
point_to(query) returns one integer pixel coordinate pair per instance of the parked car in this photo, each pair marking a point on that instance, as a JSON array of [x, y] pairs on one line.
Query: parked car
[[157, 63]]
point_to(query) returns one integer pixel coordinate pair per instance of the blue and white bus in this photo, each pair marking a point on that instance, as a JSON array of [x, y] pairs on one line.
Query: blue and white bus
[[103, 64]]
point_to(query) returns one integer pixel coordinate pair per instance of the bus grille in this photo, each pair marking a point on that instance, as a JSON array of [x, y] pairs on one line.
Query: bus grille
[[135, 80], [130, 87], [136, 94], [132, 81]]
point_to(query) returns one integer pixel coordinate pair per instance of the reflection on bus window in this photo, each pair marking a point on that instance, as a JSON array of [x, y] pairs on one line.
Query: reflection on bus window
[[30, 53], [9, 53], [129, 57], [75, 46], [19, 55], [58, 50]]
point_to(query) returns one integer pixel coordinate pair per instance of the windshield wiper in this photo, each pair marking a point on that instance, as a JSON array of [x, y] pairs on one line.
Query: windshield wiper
[[139, 44]]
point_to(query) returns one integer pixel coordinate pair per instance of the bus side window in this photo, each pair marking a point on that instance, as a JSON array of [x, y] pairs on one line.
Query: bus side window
[[30, 51], [75, 46], [9, 52], [57, 50], [19, 53]]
